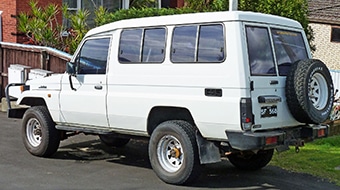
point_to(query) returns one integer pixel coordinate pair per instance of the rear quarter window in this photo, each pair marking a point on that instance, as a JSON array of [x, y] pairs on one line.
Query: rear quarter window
[[289, 48]]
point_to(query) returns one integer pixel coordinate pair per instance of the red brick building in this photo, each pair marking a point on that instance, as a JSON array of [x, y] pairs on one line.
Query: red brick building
[[9, 9]]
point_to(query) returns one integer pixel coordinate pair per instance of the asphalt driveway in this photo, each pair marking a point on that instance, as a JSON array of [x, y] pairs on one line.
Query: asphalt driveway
[[82, 162]]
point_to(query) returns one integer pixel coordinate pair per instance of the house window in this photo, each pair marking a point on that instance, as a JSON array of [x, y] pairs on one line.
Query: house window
[[165, 3], [335, 34], [90, 5]]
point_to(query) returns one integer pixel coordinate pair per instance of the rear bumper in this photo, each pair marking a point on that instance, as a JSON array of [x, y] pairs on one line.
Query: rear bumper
[[280, 139]]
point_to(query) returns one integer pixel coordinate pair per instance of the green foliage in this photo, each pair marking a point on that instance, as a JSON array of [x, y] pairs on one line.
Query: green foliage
[[294, 9], [41, 27], [143, 3], [78, 28], [103, 17]]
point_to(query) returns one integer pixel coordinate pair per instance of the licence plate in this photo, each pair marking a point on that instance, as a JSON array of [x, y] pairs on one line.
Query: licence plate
[[269, 111]]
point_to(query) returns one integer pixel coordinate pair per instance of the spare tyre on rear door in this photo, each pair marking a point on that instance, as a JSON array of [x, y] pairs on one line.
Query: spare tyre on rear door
[[309, 91]]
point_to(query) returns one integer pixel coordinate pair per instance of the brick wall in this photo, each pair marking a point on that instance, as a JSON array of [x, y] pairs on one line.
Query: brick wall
[[176, 3], [327, 51], [10, 9], [8, 21]]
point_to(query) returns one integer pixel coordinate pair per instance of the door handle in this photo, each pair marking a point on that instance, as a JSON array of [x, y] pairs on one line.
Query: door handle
[[274, 82], [98, 87]]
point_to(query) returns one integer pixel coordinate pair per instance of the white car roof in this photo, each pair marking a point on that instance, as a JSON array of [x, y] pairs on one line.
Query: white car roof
[[192, 18]]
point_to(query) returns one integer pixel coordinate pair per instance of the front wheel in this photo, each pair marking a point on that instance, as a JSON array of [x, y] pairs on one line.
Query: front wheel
[[250, 160], [39, 134], [173, 152]]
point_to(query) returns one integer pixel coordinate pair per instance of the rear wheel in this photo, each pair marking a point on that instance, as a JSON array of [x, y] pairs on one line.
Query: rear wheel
[[250, 160], [173, 152], [39, 134]]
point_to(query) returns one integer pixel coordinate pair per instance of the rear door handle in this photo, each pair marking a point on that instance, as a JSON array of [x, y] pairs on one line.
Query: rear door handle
[[98, 87], [274, 82]]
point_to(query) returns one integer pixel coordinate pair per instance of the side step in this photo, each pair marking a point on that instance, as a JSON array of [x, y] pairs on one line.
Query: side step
[[92, 130], [103, 131]]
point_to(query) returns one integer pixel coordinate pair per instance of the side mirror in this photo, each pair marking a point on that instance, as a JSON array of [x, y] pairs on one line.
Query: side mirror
[[70, 68]]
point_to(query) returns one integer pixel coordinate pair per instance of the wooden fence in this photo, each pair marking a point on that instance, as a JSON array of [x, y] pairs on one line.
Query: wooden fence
[[36, 57]]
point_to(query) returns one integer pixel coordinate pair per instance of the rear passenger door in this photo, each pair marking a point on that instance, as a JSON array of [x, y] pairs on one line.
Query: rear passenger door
[[271, 51], [85, 104]]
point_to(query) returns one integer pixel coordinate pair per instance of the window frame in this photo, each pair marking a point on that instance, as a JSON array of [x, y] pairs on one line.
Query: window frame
[[332, 32], [78, 55], [270, 29], [142, 42], [196, 53]]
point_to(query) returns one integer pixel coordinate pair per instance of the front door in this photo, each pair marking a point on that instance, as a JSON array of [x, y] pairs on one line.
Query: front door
[[83, 96]]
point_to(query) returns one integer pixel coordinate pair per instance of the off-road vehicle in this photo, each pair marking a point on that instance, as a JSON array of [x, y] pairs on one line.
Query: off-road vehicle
[[198, 86]]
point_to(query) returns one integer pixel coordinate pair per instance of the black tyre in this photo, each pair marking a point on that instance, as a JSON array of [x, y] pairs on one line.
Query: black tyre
[[309, 91], [111, 140], [39, 134], [250, 160], [173, 152]]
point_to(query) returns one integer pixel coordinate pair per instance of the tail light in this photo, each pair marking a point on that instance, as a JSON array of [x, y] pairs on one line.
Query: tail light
[[271, 140], [246, 114]]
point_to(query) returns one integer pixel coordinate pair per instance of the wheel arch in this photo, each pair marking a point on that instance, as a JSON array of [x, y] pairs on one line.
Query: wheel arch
[[33, 101], [160, 114], [208, 151]]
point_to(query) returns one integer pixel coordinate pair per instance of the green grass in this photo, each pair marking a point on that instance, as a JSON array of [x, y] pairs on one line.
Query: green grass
[[319, 158]]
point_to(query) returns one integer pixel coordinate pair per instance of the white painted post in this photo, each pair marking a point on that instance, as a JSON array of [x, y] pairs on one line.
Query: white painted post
[[159, 4], [233, 4], [126, 4]]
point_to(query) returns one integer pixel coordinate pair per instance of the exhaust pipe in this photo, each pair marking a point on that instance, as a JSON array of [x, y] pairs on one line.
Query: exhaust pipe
[[233, 5]]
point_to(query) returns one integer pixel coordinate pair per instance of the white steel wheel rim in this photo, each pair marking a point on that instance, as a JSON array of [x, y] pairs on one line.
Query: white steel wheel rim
[[318, 91], [33, 132], [170, 153]]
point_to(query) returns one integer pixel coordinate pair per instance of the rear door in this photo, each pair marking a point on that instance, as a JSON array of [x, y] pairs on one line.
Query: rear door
[[271, 51]]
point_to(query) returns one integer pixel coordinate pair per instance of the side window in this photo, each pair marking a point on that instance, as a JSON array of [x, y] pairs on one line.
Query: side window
[[142, 45], [198, 44], [289, 48], [92, 58], [184, 44], [154, 45], [260, 53], [211, 44], [130, 45]]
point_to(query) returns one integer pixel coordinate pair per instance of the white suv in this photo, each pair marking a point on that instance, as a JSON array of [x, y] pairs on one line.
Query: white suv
[[198, 86]]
